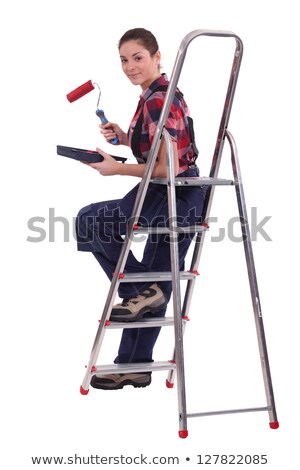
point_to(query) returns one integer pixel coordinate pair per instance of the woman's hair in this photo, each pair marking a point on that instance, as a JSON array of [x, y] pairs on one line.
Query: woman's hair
[[142, 36]]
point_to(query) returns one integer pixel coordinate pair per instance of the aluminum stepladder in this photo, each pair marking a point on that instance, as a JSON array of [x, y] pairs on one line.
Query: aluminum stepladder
[[176, 365]]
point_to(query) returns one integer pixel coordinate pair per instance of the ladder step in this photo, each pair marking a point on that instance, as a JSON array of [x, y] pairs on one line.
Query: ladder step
[[133, 367], [156, 276], [143, 323], [195, 181], [188, 229]]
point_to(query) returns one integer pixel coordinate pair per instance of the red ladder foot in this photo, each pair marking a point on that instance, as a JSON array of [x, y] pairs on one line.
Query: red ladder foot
[[274, 425], [83, 391], [183, 434]]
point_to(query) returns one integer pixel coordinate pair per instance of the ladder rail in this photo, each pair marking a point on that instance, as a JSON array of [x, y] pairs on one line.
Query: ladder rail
[[175, 268], [217, 155], [262, 345], [216, 160]]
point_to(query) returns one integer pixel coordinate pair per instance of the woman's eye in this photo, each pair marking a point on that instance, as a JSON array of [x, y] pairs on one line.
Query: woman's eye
[[138, 58]]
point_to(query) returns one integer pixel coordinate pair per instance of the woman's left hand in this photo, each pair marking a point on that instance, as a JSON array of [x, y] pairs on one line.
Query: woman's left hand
[[108, 167]]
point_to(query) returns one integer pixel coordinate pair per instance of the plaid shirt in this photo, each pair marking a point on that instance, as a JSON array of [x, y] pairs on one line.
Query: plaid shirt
[[176, 125]]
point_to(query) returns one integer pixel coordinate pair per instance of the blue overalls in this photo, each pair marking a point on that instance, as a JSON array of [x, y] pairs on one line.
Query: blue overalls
[[100, 227]]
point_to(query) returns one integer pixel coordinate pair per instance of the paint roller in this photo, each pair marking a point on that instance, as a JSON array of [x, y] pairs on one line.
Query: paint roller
[[84, 89]]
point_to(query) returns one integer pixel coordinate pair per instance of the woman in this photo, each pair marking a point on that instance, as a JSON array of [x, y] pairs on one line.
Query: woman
[[100, 226]]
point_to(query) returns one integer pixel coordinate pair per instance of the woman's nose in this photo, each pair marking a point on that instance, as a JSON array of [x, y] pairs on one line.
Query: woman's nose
[[131, 65]]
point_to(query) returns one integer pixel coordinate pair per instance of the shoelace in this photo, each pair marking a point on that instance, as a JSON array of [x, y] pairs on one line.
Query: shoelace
[[125, 302]]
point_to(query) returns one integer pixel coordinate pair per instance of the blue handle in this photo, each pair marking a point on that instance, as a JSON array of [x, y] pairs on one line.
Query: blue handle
[[103, 119]]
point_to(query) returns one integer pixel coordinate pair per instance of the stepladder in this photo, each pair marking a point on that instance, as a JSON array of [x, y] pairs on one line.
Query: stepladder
[[181, 304]]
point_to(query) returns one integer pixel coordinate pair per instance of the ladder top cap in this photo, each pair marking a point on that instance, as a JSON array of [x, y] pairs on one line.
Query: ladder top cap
[[210, 32]]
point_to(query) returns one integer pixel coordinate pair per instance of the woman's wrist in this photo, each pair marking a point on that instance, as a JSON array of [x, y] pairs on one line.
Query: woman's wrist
[[123, 139]]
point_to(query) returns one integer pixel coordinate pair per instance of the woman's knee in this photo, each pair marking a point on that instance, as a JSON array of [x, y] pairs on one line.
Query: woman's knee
[[85, 219]]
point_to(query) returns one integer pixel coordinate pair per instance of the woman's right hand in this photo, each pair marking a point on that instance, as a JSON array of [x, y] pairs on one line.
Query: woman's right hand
[[111, 130]]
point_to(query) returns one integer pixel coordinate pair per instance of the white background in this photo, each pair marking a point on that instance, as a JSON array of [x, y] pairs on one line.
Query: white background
[[53, 296]]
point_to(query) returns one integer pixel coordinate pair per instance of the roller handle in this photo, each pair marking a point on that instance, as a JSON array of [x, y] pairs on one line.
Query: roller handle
[[103, 119]]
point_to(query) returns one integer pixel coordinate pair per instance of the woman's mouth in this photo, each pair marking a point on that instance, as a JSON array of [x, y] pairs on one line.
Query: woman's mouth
[[133, 75]]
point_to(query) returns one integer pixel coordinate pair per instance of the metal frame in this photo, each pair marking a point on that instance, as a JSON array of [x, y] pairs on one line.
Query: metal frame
[[176, 365]]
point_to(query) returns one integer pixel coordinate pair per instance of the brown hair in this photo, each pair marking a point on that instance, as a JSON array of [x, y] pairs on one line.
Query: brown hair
[[142, 36]]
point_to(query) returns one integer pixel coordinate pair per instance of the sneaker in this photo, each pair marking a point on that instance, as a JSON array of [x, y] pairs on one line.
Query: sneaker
[[151, 300], [117, 381]]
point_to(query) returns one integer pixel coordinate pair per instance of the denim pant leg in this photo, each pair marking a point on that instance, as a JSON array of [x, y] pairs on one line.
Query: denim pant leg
[[99, 229], [137, 344]]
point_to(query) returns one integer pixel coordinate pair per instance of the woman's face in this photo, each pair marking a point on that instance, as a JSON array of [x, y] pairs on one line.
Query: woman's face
[[138, 65]]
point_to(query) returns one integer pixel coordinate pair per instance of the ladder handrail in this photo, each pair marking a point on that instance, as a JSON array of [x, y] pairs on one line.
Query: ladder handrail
[[215, 165]]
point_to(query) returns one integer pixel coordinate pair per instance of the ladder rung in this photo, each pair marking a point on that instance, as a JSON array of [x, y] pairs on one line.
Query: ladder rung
[[143, 323], [224, 412], [155, 276], [133, 367], [189, 229], [195, 181]]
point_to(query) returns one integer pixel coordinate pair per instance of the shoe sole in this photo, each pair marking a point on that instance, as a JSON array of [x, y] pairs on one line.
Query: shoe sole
[[136, 316], [121, 385]]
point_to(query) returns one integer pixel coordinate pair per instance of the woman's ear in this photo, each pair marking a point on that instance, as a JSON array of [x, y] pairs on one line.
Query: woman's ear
[[157, 57]]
